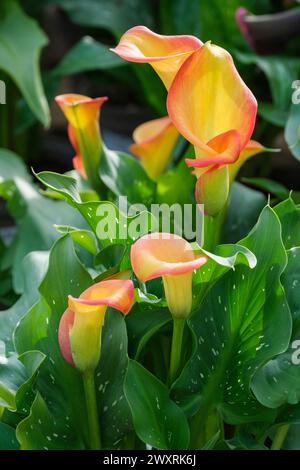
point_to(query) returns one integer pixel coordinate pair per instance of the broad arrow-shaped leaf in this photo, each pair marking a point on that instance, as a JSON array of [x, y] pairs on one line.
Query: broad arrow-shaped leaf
[[243, 321], [158, 421], [278, 382]]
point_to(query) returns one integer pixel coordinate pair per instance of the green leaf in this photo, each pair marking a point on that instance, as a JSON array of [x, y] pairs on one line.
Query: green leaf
[[109, 222], [245, 206], [65, 185], [108, 260], [112, 15], [158, 421], [278, 382], [87, 55], [21, 42], [115, 415], [270, 113], [292, 440], [36, 264], [84, 238], [279, 71], [292, 130], [11, 167], [17, 375], [43, 431], [289, 215], [8, 439], [268, 186], [225, 258], [32, 213], [153, 90], [35, 214], [243, 322], [142, 323], [124, 175], [177, 19]]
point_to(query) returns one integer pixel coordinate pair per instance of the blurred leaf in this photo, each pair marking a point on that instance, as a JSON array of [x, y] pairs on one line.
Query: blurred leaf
[[292, 130], [292, 441], [217, 19], [153, 90], [279, 70], [268, 186], [35, 214], [11, 167], [21, 42], [36, 264], [114, 15], [176, 18], [158, 421], [87, 55], [272, 114]]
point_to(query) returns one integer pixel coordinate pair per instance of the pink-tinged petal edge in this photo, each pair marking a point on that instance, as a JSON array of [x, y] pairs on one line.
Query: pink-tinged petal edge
[[65, 325], [127, 52]]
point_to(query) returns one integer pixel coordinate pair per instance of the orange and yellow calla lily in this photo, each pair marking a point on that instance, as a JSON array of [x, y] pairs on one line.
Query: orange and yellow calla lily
[[165, 54], [83, 114], [81, 324], [208, 103], [172, 258], [154, 142], [214, 110]]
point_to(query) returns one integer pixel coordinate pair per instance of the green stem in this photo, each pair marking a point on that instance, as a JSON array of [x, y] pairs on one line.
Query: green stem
[[280, 436], [198, 425], [92, 410], [213, 229], [178, 328]]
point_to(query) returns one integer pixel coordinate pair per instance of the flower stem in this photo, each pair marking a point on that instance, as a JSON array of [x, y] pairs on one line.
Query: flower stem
[[92, 411], [280, 436], [178, 328]]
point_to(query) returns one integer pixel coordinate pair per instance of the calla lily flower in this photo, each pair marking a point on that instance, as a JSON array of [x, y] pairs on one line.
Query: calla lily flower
[[154, 143], [172, 258], [165, 54], [83, 114], [81, 324], [213, 109]]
